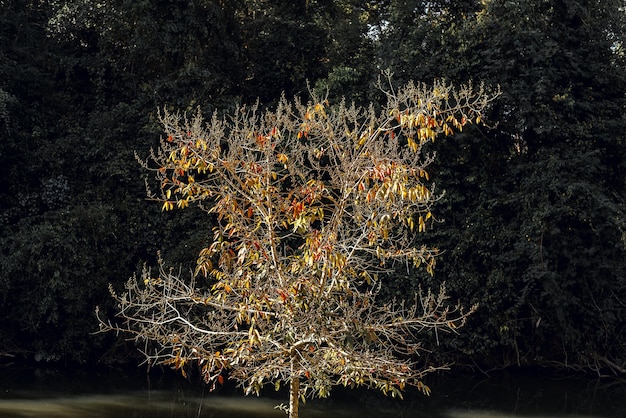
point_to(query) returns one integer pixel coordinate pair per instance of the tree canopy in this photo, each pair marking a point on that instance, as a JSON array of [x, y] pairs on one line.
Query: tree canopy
[[312, 205], [533, 215]]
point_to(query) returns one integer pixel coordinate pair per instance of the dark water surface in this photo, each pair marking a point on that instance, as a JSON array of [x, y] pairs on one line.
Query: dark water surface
[[30, 392]]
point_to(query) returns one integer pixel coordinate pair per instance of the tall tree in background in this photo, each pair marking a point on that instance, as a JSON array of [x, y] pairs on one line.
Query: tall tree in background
[[285, 45], [355, 35], [422, 40], [543, 192], [81, 78], [45, 226]]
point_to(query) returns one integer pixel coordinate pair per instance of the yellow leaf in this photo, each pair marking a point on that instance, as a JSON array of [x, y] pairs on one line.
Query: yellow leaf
[[167, 205], [282, 158]]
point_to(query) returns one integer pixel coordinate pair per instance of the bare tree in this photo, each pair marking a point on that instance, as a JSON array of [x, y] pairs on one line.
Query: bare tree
[[311, 204]]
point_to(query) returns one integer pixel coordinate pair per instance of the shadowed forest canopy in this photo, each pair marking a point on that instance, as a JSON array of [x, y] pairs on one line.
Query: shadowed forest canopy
[[532, 223]]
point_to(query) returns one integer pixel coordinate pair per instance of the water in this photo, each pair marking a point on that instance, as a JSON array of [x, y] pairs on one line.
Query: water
[[28, 392]]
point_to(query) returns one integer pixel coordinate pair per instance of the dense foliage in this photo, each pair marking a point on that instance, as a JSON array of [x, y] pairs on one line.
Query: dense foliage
[[534, 215]]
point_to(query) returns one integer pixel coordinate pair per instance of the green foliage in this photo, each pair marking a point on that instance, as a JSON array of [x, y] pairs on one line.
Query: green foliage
[[423, 40], [44, 301], [354, 36], [69, 112], [535, 208], [533, 215], [284, 46]]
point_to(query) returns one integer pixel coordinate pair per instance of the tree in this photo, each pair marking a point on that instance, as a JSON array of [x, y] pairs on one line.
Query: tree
[[354, 34], [284, 45], [534, 208], [423, 40], [77, 79], [312, 205]]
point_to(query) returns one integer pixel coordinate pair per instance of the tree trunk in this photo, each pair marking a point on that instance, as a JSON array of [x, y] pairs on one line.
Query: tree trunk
[[294, 390]]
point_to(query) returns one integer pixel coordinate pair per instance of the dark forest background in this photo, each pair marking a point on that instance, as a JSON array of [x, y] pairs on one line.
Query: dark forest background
[[533, 221]]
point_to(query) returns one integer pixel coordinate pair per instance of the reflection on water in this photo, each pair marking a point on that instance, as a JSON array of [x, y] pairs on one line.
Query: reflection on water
[[52, 394], [157, 405], [106, 406]]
